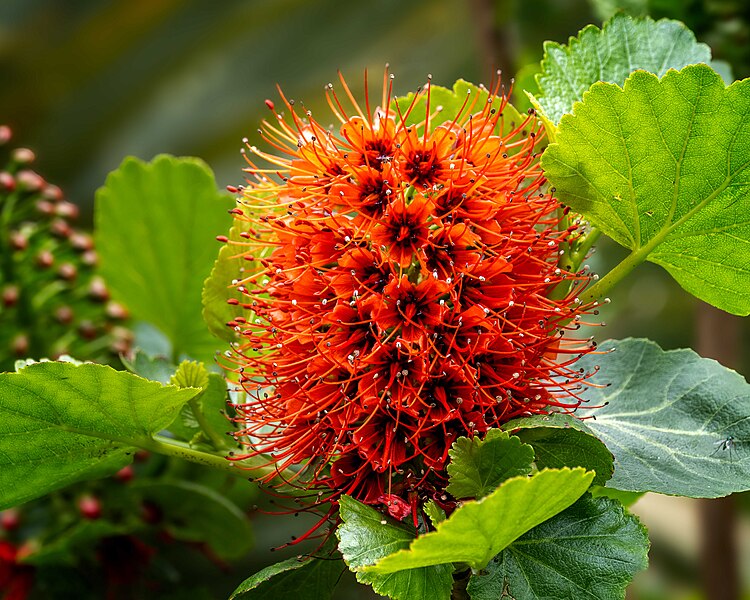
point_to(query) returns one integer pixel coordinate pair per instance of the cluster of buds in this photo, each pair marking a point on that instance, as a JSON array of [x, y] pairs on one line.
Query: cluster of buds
[[408, 293], [52, 301]]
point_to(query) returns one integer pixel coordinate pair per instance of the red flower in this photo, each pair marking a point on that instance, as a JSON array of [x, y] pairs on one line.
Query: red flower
[[404, 298], [404, 229]]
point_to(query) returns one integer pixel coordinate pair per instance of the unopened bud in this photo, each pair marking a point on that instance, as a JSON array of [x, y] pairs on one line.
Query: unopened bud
[[60, 228], [90, 507], [64, 315], [45, 207], [67, 271], [7, 182], [87, 330], [5, 134], [10, 519], [45, 259], [52, 192], [29, 181], [20, 345], [89, 258], [116, 311], [98, 290], [23, 156], [10, 295], [18, 241], [81, 241], [67, 210], [125, 474]]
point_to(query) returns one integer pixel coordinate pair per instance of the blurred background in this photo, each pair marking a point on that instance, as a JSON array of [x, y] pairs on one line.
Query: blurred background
[[86, 83]]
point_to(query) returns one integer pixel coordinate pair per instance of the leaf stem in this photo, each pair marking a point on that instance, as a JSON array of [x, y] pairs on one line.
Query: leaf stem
[[258, 465], [624, 268]]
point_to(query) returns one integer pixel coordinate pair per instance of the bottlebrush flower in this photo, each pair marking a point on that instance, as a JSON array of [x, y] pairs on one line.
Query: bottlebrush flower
[[403, 295]]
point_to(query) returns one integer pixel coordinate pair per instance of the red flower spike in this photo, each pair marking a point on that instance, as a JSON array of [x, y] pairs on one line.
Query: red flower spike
[[403, 297]]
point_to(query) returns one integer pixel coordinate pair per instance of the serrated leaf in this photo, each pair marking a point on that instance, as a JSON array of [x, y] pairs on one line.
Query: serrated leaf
[[61, 423], [478, 466], [190, 373], [478, 530], [434, 512], [366, 535], [676, 423], [301, 578], [661, 166], [196, 513], [156, 225], [453, 103], [611, 54], [563, 441], [590, 550]]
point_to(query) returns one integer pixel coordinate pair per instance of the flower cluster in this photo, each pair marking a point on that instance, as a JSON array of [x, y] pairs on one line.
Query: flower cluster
[[403, 294]]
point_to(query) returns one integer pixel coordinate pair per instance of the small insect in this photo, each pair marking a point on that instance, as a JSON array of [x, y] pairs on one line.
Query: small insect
[[728, 445]]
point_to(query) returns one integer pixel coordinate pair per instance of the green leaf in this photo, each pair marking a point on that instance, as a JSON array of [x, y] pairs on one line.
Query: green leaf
[[190, 373], [563, 441], [366, 535], [453, 103], [155, 368], [212, 403], [611, 54], [299, 578], [196, 513], [676, 423], [479, 530], [156, 225], [434, 512], [478, 466], [590, 550], [661, 167], [61, 423], [229, 266]]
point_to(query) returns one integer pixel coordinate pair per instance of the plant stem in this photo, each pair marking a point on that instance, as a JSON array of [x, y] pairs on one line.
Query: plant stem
[[578, 255], [181, 450], [572, 258], [606, 283]]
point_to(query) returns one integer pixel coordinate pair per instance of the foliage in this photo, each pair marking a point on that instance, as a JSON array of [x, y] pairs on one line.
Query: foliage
[[668, 413], [478, 466], [64, 423], [592, 549], [610, 55], [158, 214], [651, 156], [654, 179], [311, 578]]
